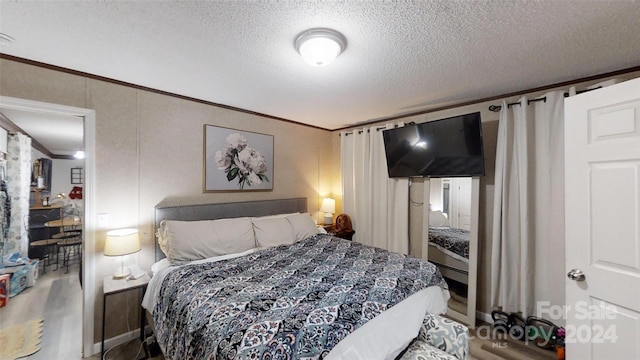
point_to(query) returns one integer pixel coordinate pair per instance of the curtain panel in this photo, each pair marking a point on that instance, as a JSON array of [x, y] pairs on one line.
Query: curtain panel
[[18, 180], [378, 205], [528, 229]]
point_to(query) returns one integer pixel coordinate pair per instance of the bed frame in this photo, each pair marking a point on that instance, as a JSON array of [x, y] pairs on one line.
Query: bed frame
[[190, 209], [449, 266]]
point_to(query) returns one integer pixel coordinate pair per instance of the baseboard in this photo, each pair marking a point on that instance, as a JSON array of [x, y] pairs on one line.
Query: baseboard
[[118, 340], [484, 317]]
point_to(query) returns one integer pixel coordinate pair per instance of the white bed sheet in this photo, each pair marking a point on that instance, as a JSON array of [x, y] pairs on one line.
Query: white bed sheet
[[383, 337]]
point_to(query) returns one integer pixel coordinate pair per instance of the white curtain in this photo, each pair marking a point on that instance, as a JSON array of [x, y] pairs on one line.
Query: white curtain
[[528, 222], [18, 180], [378, 206]]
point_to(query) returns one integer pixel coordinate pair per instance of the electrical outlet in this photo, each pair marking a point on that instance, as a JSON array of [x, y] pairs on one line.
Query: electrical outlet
[[103, 220]]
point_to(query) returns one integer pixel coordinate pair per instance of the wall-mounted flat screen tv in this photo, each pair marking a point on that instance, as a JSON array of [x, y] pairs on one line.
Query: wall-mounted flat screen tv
[[449, 147]]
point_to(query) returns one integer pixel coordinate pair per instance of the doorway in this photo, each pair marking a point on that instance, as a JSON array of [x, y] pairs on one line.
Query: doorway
[[88, 247]]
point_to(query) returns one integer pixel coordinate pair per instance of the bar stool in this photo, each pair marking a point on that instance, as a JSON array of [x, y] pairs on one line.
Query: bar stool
[[71, 246], [43, 249], [48, 248], [70, 239]]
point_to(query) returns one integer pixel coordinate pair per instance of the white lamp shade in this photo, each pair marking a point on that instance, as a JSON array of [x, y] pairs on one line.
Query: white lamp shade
[[122, 242], [328, 205]]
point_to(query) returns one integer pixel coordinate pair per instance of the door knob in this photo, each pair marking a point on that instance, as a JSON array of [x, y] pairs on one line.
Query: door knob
[[576, 274]]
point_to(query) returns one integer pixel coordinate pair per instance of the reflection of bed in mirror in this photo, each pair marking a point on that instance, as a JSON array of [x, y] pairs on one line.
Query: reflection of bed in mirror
[[449, 250]]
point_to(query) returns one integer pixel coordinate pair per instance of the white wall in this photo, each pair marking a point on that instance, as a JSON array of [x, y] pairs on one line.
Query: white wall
[[61, 178], [435, 194], [35, 154]]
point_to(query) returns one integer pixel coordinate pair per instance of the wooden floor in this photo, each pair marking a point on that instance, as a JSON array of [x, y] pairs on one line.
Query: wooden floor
[[484, 344], [57, 297], [127, 351]]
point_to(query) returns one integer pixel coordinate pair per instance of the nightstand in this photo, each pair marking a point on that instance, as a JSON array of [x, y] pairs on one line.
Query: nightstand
[[330, 228], [113, 286]]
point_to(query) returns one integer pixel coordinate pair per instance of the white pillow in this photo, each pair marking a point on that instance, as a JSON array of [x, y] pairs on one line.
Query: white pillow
[[272, 231], [437, 218], [184, 241], [276, 216], [303, 226]]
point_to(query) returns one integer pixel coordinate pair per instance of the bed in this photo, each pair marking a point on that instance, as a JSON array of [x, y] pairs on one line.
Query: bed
[[308, 296], [448, 248]]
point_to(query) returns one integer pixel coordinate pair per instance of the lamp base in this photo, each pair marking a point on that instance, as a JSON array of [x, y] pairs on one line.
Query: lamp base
[[328, 218], [123, 272], [121, 275]]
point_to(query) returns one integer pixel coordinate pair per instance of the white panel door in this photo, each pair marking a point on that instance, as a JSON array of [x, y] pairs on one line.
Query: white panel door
[[602, 180], [460, 193]]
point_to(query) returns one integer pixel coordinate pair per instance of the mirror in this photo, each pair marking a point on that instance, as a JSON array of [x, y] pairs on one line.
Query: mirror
[[453, 240]]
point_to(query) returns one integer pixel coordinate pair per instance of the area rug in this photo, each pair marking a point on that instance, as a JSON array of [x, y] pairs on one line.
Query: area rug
[[20, 340]]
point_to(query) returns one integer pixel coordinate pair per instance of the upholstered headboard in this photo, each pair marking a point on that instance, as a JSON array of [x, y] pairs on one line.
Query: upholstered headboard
[[190, 210]]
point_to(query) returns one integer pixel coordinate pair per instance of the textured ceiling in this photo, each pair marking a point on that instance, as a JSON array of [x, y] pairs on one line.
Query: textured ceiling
[[401, 57]]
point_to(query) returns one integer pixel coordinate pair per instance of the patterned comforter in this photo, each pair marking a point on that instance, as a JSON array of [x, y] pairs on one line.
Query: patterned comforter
[[454, 240], [288, 302]]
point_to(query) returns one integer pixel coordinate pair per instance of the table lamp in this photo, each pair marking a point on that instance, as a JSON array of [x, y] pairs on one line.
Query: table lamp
[[120, 243], [328, 208]]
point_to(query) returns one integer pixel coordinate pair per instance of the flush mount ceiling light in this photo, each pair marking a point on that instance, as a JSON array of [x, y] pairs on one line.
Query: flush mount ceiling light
[[320, 46]]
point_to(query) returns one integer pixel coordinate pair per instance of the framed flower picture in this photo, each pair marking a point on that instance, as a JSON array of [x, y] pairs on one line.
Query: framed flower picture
[[236, 160]]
